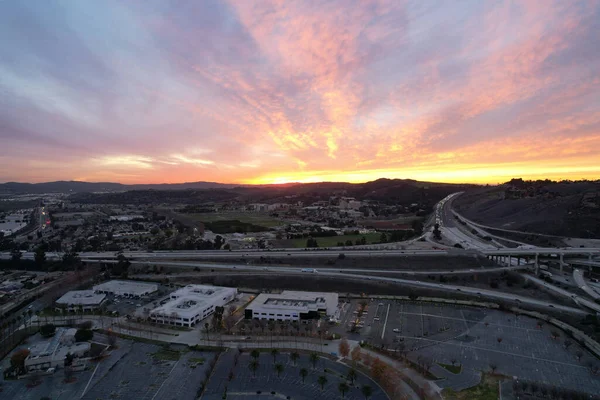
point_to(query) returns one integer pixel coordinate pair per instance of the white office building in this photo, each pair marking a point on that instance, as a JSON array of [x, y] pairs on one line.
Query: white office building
[[191, 304], [52, 353], [75, 300], [126, 288], [292, 306]]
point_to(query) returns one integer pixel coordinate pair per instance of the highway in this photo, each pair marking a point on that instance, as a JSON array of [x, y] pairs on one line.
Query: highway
[[582, 284], [449, 229], [286, 269], [330, 272], [577, 299], [296, 253]]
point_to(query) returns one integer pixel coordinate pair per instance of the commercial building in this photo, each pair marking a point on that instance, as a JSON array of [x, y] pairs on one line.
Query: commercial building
[[75, 300], [126, 288], [52, 353], [292, 306], [191, 304]]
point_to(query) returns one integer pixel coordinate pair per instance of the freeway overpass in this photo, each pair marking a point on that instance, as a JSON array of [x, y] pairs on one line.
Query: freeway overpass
[[577, 299], [582, 284], [353, 275], [293, 253]]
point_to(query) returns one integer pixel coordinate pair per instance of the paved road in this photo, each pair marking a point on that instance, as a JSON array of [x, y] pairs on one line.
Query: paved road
[[484, 293], [582, 284], [577, 299], [243, 267], [289, 253], [449, 228]]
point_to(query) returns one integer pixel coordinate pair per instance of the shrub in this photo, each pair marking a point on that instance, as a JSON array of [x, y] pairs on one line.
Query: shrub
[[83, 335]]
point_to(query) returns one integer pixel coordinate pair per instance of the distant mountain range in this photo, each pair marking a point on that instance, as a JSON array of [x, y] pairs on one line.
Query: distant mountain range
[[78, 187]]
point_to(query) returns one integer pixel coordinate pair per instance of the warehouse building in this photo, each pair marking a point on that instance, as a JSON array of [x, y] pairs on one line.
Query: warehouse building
[[292, 306], [75, 300], [191, 304], [132, 289]]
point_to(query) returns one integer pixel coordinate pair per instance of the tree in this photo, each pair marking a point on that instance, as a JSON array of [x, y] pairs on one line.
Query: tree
[[555, 334], [499, 340], [367, 391], [412, 295], [294, 357], [314, 357], [47, 330], [579, 354], [17, 360], [344, 348], [40, 256], [253, 366], [112, 338], [312, 242], [355, 354], [322, 381], [303, 373], [255, 354], [343, 388], [68, 361], [348, 242], [83, 335], [351, 375], [493, 367], [206, 326], [453, 361], [383, 238], [274, 354], [437, 233], [15, 255], [377, 368], [71, 260], [279, 369]]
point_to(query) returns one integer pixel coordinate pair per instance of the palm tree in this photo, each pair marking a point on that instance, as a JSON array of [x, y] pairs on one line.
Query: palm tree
[[322, 380], [303, 373], [255, 354], [294, 357], [279, 369], [351, 375], [274, 353], [314, 357], [253, 367], [343, 388], [206, 329], [367, 391]]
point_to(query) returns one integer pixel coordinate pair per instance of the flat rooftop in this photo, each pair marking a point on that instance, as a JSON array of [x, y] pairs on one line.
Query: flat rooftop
[[200, 291], [131, 287], [289, 299], [82, 297]]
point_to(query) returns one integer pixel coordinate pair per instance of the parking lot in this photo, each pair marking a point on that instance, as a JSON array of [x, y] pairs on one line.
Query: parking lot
[[248, 385], [476, 338], [132, 371]]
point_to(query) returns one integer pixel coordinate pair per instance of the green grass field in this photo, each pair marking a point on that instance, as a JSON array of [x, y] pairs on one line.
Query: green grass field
[[455, 369], [486, 390], [251, 218], [332, 241]]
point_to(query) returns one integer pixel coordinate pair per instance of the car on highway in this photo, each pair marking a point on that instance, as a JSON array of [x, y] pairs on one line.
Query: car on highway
[[396, 330]]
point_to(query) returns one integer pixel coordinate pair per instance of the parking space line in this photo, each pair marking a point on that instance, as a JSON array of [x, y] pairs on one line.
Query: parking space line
[[385, 322]]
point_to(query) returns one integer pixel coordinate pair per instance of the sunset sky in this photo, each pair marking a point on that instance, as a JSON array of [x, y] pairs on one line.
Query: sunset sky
[[276, 91]]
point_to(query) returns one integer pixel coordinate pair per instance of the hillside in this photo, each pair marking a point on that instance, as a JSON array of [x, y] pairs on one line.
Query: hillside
[[389, 191], [569, 209], [78, 187]]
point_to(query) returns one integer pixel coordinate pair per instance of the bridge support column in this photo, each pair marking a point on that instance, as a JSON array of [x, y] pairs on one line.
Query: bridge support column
[[537, 264], [509, 260]]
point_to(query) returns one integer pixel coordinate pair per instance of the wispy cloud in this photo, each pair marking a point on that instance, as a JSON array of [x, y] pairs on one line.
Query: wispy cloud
[[271, 91]]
